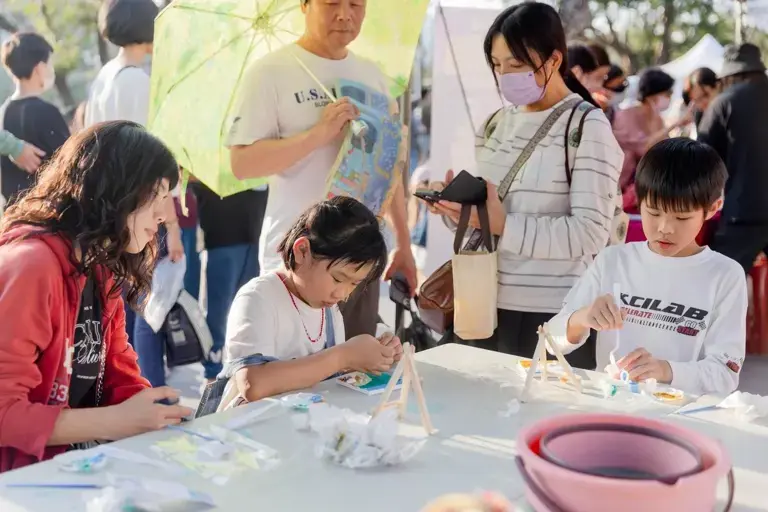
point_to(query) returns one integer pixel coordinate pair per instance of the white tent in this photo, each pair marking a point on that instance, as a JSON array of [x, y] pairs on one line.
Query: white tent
[[706, 53], [459, 31]]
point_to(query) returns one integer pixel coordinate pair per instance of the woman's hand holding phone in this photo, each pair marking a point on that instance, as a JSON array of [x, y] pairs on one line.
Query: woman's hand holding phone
[[438, 186]]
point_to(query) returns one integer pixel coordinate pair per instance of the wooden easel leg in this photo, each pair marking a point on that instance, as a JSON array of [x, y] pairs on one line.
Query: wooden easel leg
[[405, 390], [391, 386], [426, 421]]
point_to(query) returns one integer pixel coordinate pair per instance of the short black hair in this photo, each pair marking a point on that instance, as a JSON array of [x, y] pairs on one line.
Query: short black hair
[[127, 22], [582, 56], [654, 81], [680, 175], [613, 73], [339, 230], [23, 52], [601, 55], [703, 76]]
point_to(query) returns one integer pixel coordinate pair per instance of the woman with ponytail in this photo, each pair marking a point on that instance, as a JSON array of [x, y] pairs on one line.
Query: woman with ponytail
[[557, 214]]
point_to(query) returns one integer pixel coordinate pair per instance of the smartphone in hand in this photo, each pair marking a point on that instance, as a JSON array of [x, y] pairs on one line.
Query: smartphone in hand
[[428, 195]]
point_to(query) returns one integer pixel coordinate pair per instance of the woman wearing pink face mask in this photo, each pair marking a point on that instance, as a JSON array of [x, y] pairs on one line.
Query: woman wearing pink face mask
[[557, 212], [640, 125]]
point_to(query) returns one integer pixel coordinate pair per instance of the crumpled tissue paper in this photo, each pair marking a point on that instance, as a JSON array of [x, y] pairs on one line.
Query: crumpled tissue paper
[[357, 441], [747, 406], [128, 493]]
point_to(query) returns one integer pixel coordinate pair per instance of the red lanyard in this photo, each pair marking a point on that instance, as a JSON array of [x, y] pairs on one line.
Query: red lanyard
[[296, 307]]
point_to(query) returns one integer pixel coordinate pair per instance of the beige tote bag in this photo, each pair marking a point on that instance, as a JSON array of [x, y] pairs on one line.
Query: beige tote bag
[[475, 285]]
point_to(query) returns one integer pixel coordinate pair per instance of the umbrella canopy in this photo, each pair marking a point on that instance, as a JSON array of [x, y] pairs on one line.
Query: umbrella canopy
[[202, 48]]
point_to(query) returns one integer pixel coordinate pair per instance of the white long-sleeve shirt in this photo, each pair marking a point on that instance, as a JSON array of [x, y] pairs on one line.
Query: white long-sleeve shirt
[[553, 230], [688, 311]]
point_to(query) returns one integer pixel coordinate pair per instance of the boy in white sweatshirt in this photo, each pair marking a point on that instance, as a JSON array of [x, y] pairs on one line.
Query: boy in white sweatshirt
[[682, 311]]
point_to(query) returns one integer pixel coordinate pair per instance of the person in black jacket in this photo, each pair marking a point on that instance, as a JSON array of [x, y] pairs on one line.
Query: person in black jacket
[[734, 125], [28, 58]]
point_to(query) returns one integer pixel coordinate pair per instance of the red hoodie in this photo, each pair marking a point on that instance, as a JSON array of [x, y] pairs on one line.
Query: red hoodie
[[39, 303]]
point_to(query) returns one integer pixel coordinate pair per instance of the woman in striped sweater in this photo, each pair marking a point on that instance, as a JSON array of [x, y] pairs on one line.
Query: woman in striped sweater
[[553, 220]]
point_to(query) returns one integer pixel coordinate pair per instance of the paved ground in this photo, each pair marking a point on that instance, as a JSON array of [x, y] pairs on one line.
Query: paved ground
[[754, 376]]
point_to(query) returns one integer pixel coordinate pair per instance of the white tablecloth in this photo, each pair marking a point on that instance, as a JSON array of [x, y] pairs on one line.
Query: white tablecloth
[[466, 389]]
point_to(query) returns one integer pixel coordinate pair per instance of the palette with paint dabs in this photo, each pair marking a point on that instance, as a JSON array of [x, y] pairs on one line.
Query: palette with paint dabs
[[669, 395], [552, 366], [367, 383]]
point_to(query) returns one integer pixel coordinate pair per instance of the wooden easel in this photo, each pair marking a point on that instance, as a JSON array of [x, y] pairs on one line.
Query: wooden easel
[[406, 369], [540, 357]]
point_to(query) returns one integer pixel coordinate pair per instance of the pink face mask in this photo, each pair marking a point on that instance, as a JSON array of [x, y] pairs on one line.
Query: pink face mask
[[520, 89]]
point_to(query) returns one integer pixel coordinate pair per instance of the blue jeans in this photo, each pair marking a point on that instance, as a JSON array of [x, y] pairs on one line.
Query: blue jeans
[[150, 346], [228, 269]]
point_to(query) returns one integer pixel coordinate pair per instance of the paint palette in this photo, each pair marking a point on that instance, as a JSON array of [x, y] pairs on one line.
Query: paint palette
[[367, 383], [669, 395], [552, 366]]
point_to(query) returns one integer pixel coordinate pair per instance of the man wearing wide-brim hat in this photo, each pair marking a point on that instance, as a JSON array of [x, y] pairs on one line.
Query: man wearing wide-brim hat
[[735, 124]]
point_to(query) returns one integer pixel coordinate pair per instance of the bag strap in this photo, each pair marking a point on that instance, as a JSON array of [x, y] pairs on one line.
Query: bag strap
[[330, 332], [477, 237], [583, 108], [542, 132], [484, 231]]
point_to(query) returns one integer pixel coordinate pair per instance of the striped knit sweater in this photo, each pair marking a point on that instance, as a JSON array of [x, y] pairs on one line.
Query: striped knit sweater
[[553, 231]]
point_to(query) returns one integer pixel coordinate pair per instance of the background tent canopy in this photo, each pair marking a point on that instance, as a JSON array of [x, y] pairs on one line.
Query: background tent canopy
[[706, 53]]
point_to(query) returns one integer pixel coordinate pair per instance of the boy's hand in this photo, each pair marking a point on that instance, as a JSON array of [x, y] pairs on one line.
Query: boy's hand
[[603, 315], [366, 354], [388, 339], [641, 366]]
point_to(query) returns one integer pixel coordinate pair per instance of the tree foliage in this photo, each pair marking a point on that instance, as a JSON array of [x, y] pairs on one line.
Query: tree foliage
[[71, 28], [650, 32]]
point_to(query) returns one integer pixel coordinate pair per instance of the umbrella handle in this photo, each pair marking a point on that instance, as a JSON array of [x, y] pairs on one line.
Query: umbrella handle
[[312, 75]]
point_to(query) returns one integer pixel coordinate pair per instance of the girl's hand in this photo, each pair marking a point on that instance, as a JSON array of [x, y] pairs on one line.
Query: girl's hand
[[497, 214], [641, 366], [142, 413], [366, 354], [388, 339]]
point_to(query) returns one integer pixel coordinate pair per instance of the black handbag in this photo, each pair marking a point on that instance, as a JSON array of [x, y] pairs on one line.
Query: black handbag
[[187, 337]]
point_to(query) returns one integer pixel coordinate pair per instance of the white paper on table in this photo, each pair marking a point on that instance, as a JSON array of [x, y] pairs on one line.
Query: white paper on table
[[129, 493], [747, 406], [356, 441], [114, 453]]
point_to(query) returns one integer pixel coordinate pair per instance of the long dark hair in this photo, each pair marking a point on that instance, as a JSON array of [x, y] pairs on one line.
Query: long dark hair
[[86, 193], [533, 28]]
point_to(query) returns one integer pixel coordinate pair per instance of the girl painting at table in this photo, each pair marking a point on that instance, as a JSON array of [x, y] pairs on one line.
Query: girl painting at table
[[285, 331], [67, 247], [682, 310]]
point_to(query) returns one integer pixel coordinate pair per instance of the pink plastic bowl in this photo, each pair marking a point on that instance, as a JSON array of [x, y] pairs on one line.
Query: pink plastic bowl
[[608, 462]]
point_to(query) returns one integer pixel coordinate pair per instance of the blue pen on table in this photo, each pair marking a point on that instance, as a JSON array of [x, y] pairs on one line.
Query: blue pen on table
[[55, 486], [192, 433], [699, 409]]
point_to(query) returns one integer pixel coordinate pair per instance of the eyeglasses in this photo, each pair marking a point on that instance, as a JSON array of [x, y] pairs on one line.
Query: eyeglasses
[[619, 88]]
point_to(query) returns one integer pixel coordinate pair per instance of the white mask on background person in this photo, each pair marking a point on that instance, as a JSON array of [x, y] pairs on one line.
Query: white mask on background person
[[661, 104], [49, 80], [617, 98]]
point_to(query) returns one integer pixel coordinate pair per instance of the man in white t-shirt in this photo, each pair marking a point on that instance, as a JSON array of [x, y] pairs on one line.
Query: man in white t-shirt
[[287, 128]]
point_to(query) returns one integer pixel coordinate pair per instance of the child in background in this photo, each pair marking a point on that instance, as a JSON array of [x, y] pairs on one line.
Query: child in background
[[682, 310], [28, 58], [285, 331]]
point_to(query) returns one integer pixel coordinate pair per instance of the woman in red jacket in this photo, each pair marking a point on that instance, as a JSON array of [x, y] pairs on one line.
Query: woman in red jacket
[[85, 231]]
